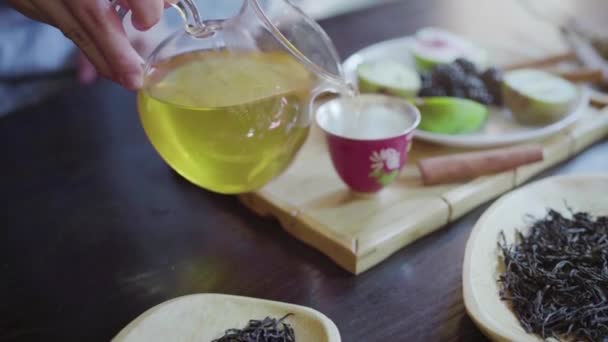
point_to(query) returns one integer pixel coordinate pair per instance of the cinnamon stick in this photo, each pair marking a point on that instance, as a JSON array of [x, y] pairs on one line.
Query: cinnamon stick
[[465, 166], [544, 62], [584, 75]]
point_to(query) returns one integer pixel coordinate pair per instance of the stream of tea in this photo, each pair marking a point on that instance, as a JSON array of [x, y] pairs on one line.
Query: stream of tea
[[229, 122]]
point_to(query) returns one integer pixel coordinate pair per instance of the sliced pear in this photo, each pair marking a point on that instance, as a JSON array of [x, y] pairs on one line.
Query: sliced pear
[[388, 77], [536, 97], [451, 115]]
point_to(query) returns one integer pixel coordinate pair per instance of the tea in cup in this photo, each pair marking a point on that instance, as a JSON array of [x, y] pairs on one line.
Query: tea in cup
[[369, 138]]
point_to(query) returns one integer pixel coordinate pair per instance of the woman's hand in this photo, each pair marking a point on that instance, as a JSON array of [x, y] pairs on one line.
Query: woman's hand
[[96, 28]]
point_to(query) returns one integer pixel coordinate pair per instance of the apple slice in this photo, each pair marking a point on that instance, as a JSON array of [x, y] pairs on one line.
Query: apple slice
[[388, 77], [536, 97], [451, 115]]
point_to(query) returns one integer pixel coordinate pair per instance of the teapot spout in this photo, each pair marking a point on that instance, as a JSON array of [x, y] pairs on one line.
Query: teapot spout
[[328, 89], [336, 86]]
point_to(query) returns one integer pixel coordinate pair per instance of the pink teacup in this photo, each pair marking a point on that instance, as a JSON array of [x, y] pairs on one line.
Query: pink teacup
[[369, 138]]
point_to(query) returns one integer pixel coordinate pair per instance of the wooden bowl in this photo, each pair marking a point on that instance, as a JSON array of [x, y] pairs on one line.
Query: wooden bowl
[[482, 265], [205, 317]]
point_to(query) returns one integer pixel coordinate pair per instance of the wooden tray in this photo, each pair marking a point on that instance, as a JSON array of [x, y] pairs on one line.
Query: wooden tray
[[313, 204]]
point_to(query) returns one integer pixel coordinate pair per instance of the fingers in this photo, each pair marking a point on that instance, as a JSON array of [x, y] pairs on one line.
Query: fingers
[[145, 42], [96, 28], [105, 28], [146, 13], [29, 10], [62, 18], [87, 74]]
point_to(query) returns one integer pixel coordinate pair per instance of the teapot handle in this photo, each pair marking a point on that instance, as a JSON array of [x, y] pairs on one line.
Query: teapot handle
[[187, 10]]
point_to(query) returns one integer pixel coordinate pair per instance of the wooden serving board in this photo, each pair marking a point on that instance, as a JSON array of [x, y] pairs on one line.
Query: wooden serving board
[[313, 204]]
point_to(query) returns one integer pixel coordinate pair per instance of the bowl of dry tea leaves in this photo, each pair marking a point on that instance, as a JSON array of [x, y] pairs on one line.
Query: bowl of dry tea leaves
[[536, 263], [225, 318]]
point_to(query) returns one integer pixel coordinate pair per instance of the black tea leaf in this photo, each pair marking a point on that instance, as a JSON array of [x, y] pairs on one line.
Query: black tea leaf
[[266, 330], [556, 277]]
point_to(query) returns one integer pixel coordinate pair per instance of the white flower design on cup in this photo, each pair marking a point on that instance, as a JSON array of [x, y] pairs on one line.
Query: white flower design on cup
[[391, 158], [387, 159]]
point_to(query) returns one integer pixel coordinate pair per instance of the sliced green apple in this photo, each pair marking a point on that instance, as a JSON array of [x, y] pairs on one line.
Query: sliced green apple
[[536, 97], [451, 115], [388, 77], [433, 46]]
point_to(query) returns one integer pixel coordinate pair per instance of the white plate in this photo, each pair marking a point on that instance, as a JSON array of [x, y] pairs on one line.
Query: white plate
[[500, 129], [205, 317], [481, 262]]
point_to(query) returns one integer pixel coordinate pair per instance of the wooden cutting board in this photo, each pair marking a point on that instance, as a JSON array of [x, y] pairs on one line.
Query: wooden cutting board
[[311, 202]]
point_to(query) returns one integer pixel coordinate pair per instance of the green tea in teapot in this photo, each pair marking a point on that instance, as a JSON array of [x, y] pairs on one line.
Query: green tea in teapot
[[227, 121]]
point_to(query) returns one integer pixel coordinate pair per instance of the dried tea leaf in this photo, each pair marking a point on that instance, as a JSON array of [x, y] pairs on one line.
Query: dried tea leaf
[[266, 330], [556, 278]]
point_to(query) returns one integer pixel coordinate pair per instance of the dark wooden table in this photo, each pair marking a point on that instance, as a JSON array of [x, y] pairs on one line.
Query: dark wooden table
[[95, 228]]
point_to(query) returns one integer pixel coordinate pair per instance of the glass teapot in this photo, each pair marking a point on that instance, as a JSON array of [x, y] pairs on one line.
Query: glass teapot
[[227, 103]]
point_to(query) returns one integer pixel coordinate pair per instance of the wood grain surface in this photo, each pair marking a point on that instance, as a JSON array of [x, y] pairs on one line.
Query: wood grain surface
[[95, 228]]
